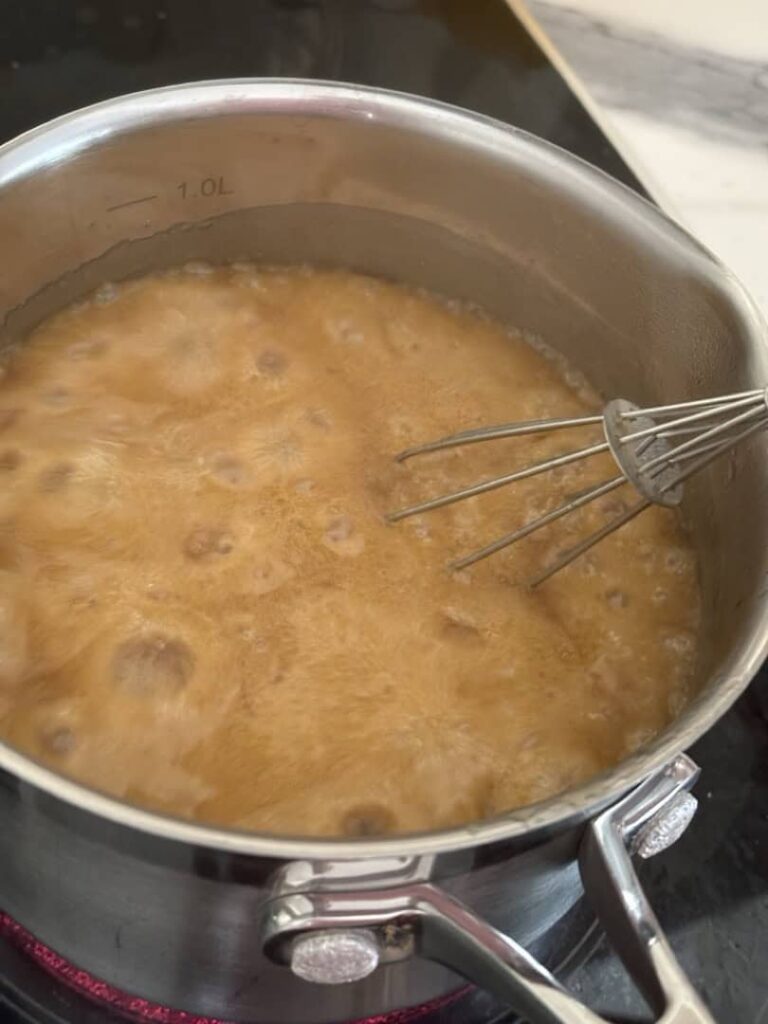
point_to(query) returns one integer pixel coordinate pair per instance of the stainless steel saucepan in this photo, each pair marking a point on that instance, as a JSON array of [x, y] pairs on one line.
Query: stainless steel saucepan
[[263, 929]]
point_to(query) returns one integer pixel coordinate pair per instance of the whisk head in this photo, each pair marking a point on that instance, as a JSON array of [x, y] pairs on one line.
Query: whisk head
[[655, 450]]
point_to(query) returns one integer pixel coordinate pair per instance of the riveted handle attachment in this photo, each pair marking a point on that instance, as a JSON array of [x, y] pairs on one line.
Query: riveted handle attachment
[[366, 927]]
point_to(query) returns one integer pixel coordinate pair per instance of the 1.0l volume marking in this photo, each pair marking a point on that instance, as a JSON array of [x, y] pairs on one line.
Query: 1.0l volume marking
[[206, 188]]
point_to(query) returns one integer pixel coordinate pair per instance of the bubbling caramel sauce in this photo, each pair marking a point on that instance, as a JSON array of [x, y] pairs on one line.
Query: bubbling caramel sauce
[[203, 611]]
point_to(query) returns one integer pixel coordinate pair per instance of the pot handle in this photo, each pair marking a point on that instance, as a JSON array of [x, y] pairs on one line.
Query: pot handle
[[648, 820], [336, 936], [618, 899]]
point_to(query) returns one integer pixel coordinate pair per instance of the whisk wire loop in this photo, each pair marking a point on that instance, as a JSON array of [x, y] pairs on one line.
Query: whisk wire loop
[[641, 443]]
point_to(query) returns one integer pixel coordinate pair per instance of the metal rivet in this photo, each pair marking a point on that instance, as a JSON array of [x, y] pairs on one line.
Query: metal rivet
[[335, 957], [666, 826]]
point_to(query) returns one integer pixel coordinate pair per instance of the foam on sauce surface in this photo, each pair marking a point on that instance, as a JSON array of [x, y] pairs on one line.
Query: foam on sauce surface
[[203, 611]]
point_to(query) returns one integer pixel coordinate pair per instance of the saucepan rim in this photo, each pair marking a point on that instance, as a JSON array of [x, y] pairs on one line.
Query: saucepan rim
[[65, 136]]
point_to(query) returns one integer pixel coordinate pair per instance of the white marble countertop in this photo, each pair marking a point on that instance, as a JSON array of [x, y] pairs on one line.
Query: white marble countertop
[[682, 88]]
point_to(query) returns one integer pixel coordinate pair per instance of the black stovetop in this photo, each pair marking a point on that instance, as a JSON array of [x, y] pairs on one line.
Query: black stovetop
[[711, 890]]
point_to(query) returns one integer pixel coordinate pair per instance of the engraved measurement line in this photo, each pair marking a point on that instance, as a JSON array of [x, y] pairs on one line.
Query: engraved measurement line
[[130, 202]]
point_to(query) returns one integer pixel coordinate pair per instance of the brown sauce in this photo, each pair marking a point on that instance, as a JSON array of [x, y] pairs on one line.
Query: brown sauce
[[203, 611]]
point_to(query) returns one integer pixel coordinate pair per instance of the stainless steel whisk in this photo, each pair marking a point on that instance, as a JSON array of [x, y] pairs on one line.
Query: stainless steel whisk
[[646, 446]]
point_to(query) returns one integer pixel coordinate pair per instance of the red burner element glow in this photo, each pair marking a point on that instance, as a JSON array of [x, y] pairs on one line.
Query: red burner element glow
[[143, 1009]]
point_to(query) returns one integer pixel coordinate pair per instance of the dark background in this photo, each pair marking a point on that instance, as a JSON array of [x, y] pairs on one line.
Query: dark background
[[56, 56]]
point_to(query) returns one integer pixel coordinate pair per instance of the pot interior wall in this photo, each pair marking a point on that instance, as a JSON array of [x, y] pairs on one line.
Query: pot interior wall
[[638, 308]]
